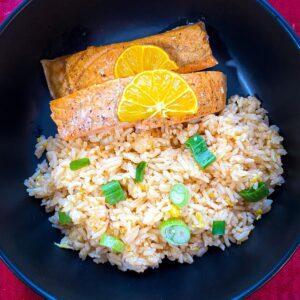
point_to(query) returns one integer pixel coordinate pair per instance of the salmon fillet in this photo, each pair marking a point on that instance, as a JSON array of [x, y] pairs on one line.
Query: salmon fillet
[[188, 46], [94, 109]]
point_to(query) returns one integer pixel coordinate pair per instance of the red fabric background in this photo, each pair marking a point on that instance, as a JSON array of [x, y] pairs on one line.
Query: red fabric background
[[284, 286]]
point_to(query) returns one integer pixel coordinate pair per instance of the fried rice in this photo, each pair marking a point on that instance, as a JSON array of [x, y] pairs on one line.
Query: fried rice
[[247, 148]]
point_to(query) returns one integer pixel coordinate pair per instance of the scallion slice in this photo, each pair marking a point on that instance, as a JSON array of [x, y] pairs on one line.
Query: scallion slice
[[196, 143], [175, 231], [140, 171], [255, 193], [179, 195], [204, 159], [112, 243], [64, 218], [198, 147], [79, 163], [218, 227], [113, 192]]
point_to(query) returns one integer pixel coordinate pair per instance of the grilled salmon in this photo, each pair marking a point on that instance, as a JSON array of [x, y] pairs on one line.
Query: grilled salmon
[[188, 46], [94, 109]]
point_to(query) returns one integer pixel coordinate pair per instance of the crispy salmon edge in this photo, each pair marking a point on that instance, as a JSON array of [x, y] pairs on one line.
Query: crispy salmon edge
[[44, 63]]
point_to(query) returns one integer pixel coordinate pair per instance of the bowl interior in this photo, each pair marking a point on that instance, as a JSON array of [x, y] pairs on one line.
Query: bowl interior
[[258, 56]]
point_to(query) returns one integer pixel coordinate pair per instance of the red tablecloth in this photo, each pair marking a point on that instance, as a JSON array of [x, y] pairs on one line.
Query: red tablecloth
[[284, 286]]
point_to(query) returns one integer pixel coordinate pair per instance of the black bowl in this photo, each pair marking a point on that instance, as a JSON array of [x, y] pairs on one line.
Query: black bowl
[[260, 55]]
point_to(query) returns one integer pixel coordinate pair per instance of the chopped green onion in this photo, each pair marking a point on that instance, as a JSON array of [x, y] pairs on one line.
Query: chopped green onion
[[196, 143], [140, 171], [255, 193], [218, 227], [198, 147], [175, 231], [79, 163], [113, 192], [204, 159], [179, 195], [64, 218], [112, 243]]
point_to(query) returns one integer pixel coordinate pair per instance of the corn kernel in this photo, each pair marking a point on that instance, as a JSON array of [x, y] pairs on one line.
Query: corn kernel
[[200, 220], [228, 201], [174, 211], [143, 187], [211, 195], [195, 249], [258, 214], [255, 179]]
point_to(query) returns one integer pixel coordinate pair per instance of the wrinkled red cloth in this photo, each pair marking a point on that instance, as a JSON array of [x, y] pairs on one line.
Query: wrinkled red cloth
[[284, 286]]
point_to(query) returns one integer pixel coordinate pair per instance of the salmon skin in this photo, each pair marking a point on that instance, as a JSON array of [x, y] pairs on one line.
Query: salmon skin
[[94, 109], [188, 46]]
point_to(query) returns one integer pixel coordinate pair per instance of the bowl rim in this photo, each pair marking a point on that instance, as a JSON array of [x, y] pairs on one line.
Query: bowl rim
[[275, 269]]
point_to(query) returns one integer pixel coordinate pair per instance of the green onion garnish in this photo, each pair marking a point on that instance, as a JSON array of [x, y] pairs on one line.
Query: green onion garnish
[[196, 143], [179, 195], [204, 159], [140, 171], [64, 218], [255, 193], [113, 192], [199, 149], [218, 227], [175, 231], [79, 163], [112, 243]]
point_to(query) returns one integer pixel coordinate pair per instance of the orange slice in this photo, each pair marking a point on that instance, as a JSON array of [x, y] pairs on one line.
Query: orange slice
[[139, 58], [157, 93]]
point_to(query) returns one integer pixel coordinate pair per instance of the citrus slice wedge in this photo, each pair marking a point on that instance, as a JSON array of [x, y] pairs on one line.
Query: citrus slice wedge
[[139, 58], [159, 94]]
